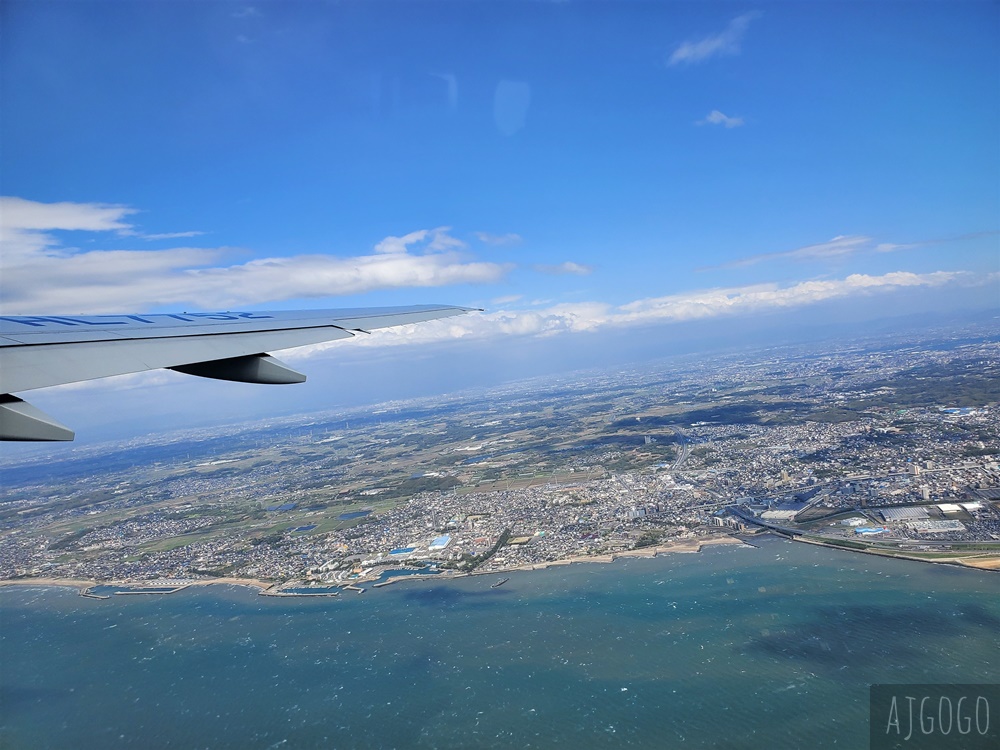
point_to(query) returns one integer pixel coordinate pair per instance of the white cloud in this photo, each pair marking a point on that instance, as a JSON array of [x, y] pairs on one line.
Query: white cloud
[[25, 225], [499, 239], [18, 213], [437, 240], [398, 245], [761, 297], [726, 42], [569, 267], [715, 117], [674, 308], [38, 275]]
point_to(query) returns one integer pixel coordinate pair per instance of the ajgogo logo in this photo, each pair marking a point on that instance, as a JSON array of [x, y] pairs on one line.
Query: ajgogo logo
[[934, 716]]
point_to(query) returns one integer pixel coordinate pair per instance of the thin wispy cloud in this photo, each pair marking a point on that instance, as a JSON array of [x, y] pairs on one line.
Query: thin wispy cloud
[[158, 236], [562, 269], [499, 239], [715, 117], [38, 274], [170, 235], [891, 247], [842, 247], [507, 299], [726, 42], [839, 247]]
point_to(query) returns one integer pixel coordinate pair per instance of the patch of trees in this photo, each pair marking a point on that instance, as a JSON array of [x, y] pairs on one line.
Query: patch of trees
[[417, 485], [649, 538], [271, 540], [70, 540], [468, 562], [955, 384], [989, 450], [834, 415]]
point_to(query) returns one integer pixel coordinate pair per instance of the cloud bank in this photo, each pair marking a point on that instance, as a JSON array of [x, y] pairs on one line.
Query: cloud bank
[[675, 308]]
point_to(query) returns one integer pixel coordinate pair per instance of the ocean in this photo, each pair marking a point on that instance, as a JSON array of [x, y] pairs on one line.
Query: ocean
[[732, 647]]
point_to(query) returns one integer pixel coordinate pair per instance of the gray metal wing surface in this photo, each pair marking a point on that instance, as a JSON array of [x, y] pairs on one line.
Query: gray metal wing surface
[[46, 350]]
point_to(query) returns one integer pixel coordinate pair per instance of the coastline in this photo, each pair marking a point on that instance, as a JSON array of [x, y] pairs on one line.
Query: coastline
[[984, 563], [686, 546], [84, 585], [74, 583]]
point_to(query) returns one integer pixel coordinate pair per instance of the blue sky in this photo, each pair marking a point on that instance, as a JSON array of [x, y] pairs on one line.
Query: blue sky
[[576, 168]]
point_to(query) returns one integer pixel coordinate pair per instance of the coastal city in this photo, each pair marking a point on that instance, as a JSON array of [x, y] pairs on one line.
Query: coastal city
[[879, 447]]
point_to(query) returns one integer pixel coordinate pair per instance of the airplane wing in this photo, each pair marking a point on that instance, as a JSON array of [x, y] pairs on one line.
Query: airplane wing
[[42, 351]]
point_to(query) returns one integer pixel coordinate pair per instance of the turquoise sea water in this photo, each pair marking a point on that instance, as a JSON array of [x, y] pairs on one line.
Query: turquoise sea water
[[732, 647]]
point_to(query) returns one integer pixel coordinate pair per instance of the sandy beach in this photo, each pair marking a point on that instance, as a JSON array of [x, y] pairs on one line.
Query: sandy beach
[[683, 546]]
